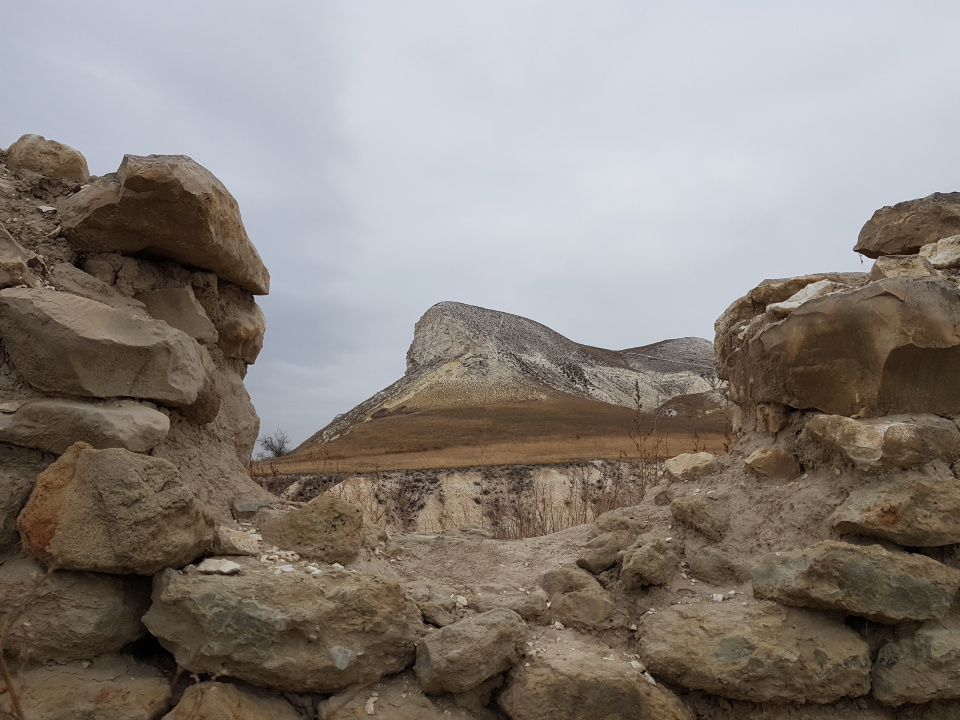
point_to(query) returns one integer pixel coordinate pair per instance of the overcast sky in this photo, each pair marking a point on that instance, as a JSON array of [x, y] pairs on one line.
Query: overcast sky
[[619, 171]]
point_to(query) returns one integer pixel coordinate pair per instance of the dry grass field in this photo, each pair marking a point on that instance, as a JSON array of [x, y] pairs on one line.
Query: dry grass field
[[560, 429]]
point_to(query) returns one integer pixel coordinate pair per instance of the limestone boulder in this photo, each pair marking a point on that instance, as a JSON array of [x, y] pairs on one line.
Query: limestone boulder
[[54, 424], [180, 309], [47, 157], [112, 687], [166, 206], [715, 564], [689, 466], [399, 697], [762, 652], [327, 528], [578, 600], [648, 562], [886, 587], [601, 552], [888, 347], [888, 266], [921, 666], [915, 509], [19, 468], [893, 441], [288, 631], [65, 344], [904, 228], [461, 656], [113, 511], [216, 700], [63, 616], [774, 463], [18, 266], [709, 514], [581, 679], [943, 254], [633, 520], [229, 541]]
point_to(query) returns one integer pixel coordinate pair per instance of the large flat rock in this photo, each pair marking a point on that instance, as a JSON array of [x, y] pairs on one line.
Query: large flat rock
[[290, 630], [904, 228], [921, 666], [886, 587], [762, 652], [579, 678], [68, 615], [884, 348], [915, 510], [113, 511], [166, 206], [54, 424], [66, 344]]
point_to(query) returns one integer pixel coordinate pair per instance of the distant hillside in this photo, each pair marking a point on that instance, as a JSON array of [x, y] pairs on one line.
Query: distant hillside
[[477, 376]]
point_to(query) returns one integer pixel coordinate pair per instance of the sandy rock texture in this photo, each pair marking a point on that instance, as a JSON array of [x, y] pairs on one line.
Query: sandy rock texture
[[47, 157], [921, 666], [219, 701], [113, 511], [327, 529]]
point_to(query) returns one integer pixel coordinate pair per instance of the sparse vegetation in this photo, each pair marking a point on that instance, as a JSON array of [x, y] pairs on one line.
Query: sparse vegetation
[[274, 445]]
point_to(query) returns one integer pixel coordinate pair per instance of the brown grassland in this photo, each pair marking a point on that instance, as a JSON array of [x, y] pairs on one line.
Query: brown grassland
[[557, 430]]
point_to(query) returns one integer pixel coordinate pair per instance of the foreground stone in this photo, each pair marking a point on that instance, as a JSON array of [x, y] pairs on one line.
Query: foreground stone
[[289, 631], [915, 510], [581, 678], [866, 580], [707, 513], [601, 552], [888, 347], [578, 600], [326, 528], [773, 463], [904, 228], [113, 687], [399, 697], [47, 157], [54, 424], [689, 466], [61, 344], [921, 667], [113, 511], [216, 701], [459, 657], [168, 206], [763, 652], [648, 562], [66, 616], [894, 441]]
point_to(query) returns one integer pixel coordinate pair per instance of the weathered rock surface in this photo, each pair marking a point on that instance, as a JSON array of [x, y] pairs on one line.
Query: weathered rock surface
[[883, 586], [809, 292], [689, 466], [17, 264], [581, 679], [887, 266], [904, 228], [19, 468], [179, 308], [943, 254], [68, 615], [222, 701], [578, 600], [113, 687], [235, 542], [70, 279], [774, 463], [921, 667], [289, 631], [326, 528], [762, 652], [47, 157], [399, 697], [709, 514], [648, 562], [916, 510], [239, 322], [113, 511], [459, 657], [167, 206], [65, 344], [633, 520], [884, 348], [54, 424], [715, 564], [601, 552], [893, 441]]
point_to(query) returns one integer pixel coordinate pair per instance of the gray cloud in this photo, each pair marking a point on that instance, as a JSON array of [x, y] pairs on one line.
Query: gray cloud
[[619, 171]]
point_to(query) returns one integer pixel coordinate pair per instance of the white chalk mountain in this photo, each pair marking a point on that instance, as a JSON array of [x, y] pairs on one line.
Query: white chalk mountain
[[467, 355]]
